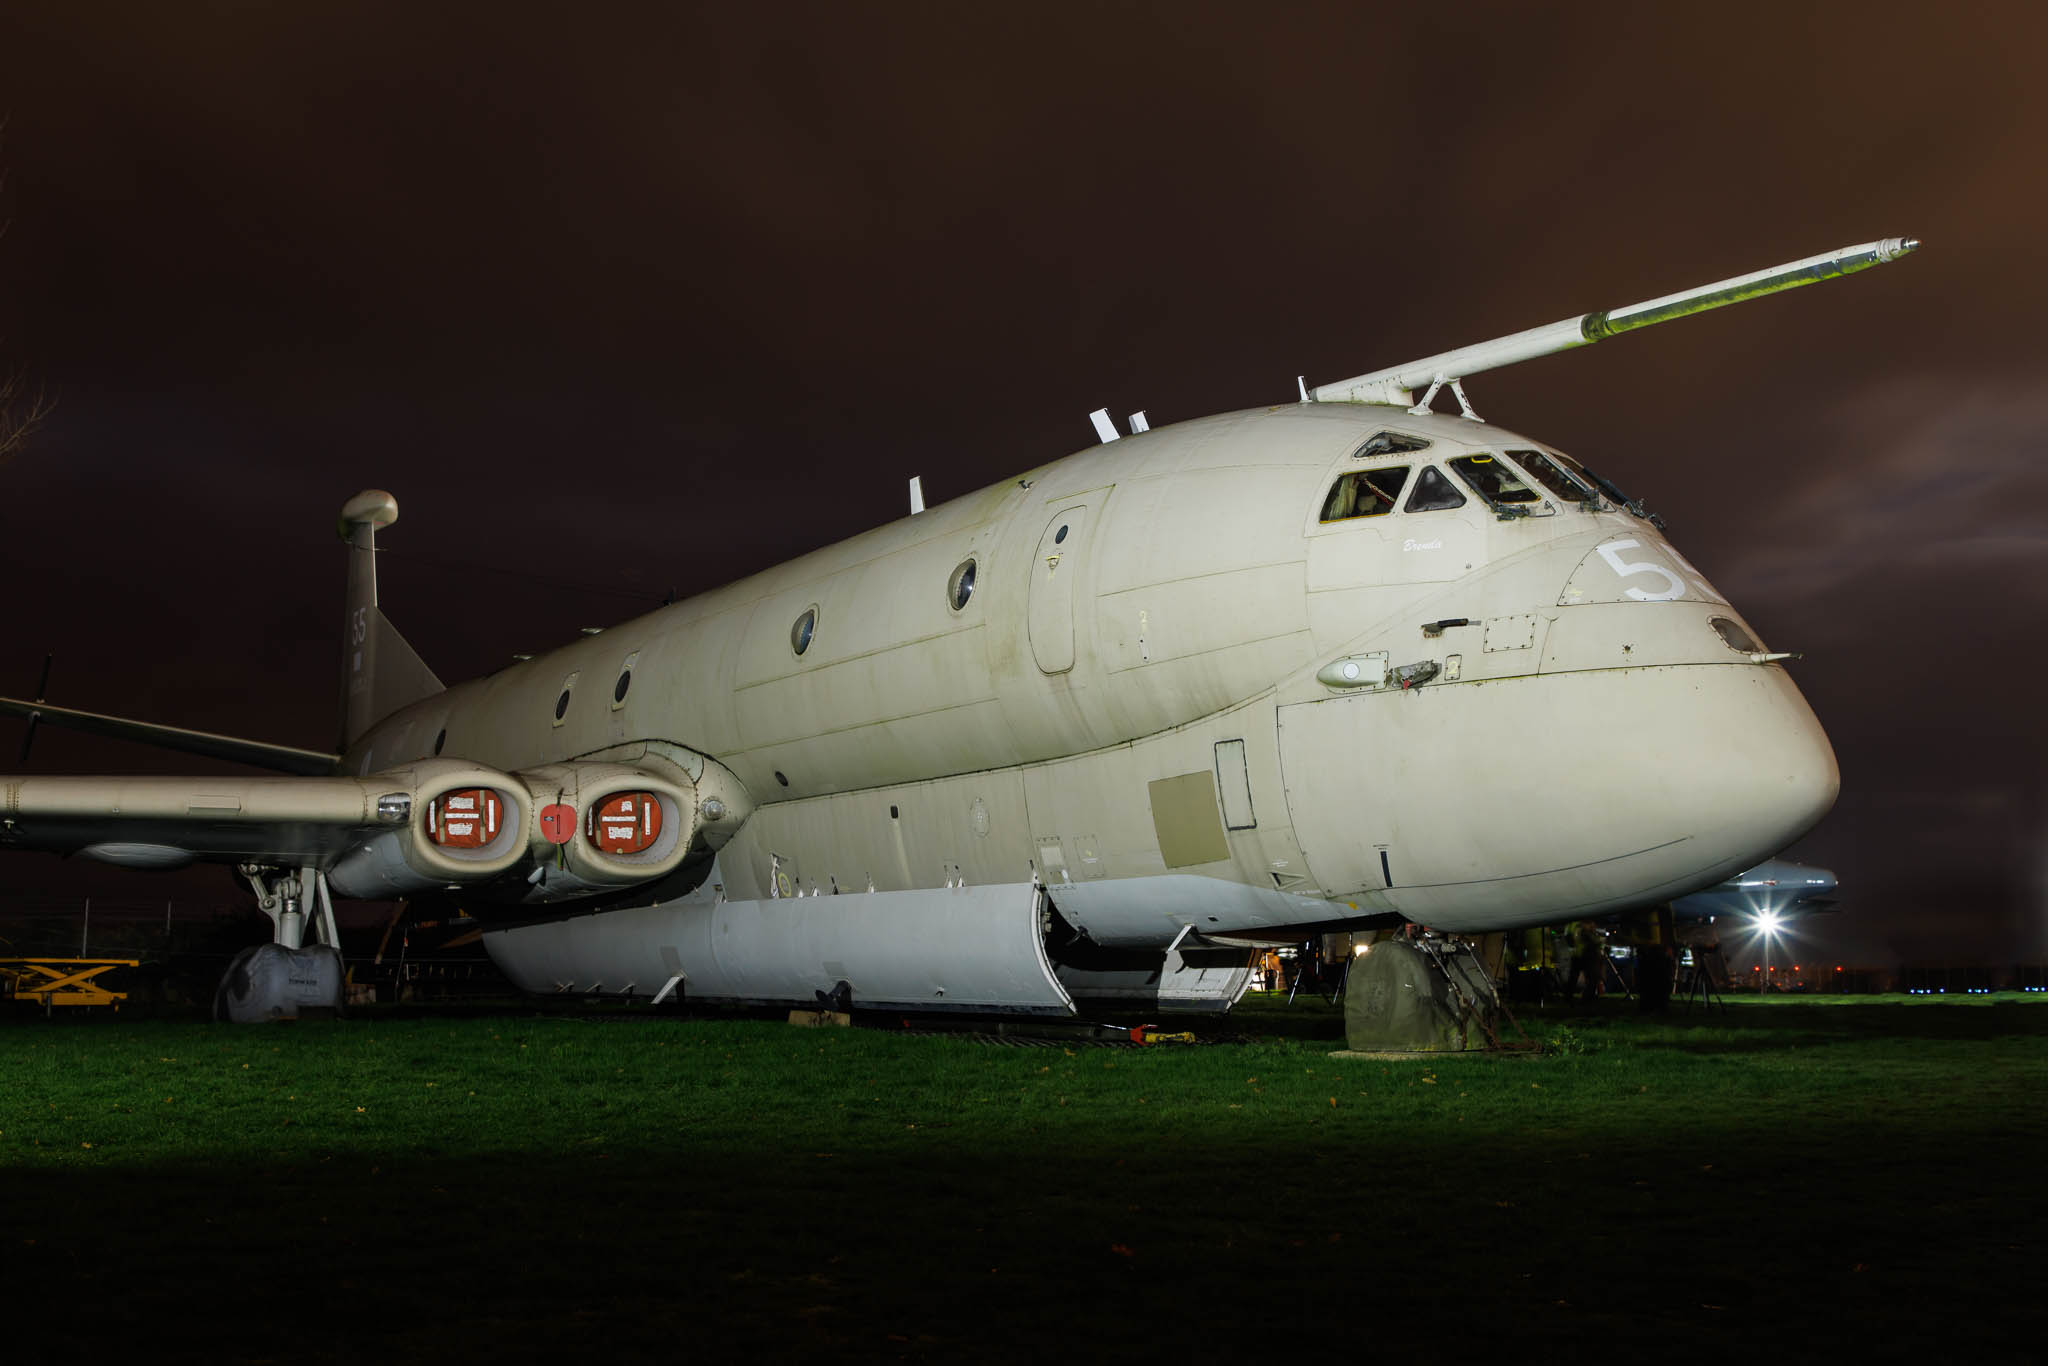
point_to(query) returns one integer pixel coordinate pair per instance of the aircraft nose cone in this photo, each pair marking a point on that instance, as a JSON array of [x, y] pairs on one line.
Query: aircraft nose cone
[[1773, 778], [1742, 770], [1733, 767], [1596, 790]]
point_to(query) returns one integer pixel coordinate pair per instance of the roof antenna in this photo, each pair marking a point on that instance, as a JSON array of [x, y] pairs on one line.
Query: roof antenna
[[1138, 422], [1105, 430], [1301, 383], [916, 494]]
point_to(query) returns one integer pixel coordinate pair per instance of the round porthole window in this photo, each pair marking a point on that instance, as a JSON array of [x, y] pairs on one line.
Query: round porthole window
[[800, 634], [619, 688], [562, 705], [1060, 536], [961, 587]]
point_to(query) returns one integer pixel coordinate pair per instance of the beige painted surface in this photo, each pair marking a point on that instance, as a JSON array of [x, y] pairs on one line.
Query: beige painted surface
[[1063, 723], [1194, 597], [1186, 820]]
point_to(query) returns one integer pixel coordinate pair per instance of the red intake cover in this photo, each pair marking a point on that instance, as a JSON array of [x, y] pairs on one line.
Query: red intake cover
[[467, 818], [558, 822], [626, 823]]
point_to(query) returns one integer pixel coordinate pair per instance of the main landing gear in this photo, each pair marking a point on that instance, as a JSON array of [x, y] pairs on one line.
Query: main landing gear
[[286, 979]]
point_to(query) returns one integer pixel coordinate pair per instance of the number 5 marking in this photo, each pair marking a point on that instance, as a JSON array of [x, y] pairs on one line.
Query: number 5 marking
[[1611, 552]]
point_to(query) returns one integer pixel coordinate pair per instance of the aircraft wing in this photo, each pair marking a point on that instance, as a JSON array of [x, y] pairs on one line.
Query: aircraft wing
[[156, 822], [256, 753]]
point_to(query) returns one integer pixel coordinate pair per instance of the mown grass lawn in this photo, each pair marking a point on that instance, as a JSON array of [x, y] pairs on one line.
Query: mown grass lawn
[[524, 1186]]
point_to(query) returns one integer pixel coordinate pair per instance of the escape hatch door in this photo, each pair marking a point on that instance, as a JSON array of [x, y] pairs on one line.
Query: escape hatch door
[[1053, 572]]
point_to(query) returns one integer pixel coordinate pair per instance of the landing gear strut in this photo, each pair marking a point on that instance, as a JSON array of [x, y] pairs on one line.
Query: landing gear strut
[[286, 979]]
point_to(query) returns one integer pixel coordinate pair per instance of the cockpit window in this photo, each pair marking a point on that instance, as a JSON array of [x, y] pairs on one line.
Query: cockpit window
[[1551, 475], [1591, 478], [1364, 493], [1390, 443], [1433, 492], [1493, 480]]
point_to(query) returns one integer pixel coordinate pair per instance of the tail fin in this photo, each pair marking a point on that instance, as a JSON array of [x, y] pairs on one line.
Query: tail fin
[[379, 672]]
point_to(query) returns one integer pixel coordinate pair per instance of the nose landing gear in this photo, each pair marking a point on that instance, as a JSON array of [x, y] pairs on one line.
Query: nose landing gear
[[1420, 995]]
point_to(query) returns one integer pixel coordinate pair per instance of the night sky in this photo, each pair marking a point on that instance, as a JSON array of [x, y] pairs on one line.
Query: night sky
[[619, 299]]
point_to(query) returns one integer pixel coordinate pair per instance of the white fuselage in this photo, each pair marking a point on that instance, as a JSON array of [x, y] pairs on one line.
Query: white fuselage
[[1127, 708]]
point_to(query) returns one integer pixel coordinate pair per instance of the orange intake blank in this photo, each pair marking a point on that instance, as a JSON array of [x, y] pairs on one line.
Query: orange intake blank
[[625, 822], [466, 818]]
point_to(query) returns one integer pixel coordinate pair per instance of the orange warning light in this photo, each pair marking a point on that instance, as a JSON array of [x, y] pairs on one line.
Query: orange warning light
[[467, 818], [626, 822]]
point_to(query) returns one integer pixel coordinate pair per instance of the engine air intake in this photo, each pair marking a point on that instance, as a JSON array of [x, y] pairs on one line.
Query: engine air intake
[[465, 818], [625, 822]]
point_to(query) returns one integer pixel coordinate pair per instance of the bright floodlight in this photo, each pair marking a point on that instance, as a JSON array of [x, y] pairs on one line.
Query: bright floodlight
[[1767, 921]]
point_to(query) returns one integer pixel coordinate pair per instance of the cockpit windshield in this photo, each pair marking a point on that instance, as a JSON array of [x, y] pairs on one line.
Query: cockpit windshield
[[1493, 479], [1390, 443], [1364, 493], [1574, 467], [1433, 492], [1551, 475]]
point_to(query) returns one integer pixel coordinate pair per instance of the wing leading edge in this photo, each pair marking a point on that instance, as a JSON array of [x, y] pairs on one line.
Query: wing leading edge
[[158, 822], [436, 823], [255, 753]]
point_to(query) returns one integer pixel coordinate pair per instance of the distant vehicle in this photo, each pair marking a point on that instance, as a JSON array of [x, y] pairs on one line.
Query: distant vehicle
[[1082, 735]]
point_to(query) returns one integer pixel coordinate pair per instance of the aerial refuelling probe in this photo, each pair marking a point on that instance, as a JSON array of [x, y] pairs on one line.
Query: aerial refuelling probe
[[1393, 385]]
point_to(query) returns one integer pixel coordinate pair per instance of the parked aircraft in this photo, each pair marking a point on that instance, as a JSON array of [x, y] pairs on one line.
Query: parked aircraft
[[1773, 892], [1078, 736]]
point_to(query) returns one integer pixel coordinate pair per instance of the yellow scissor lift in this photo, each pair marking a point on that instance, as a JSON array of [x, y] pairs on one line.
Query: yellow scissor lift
[[61, 981]]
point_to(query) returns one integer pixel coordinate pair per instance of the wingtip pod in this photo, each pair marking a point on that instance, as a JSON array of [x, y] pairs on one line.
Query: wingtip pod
[[371, 507]]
